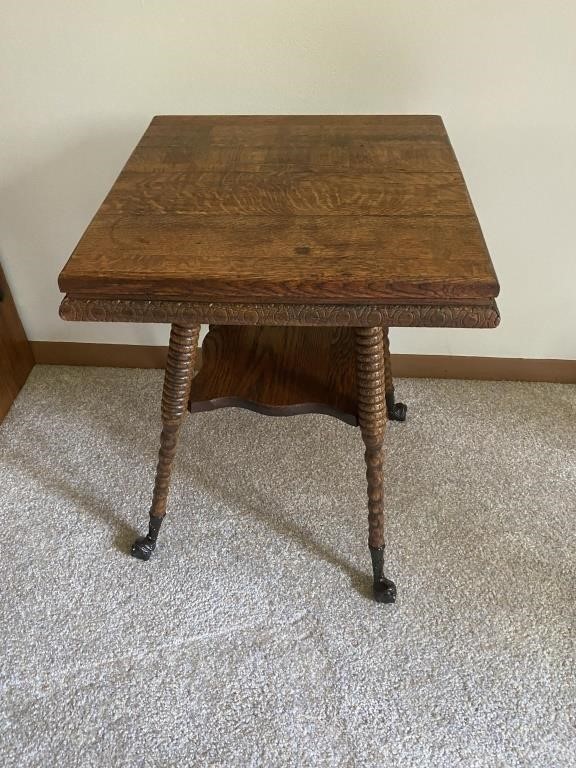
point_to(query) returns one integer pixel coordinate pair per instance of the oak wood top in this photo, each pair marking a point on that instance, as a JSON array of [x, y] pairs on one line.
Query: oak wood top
[[351, 209]]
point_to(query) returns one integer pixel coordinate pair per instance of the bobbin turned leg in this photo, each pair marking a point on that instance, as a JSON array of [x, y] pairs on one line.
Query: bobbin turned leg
[[182, 353], [370, 374], [396, 411]]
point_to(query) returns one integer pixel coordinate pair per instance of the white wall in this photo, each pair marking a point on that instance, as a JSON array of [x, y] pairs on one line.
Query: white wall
[[79, 82]]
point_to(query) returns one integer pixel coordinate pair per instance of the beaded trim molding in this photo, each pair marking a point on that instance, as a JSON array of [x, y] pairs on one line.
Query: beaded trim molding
[[358, 315]]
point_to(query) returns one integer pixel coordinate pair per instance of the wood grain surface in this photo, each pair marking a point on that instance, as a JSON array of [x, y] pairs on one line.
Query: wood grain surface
[[16, 359], [277, 371], [351, 209]]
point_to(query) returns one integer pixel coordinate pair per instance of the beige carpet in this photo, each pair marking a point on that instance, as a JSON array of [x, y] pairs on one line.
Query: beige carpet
[[250, 638]]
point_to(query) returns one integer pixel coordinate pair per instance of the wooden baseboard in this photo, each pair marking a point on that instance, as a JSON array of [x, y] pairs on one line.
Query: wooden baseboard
[[413, 366], [109, 355], [484, 368]]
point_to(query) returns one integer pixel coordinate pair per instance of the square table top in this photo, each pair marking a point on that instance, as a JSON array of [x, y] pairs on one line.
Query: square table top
[[296, 209]]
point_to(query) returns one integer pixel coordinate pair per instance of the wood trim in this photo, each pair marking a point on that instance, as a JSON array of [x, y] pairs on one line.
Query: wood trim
[[16, 357], [484, 368], [415, 314], [108, 355], [416, 366]]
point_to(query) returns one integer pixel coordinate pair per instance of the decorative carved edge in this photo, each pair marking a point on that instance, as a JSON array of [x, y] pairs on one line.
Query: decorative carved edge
[[296, 409], [358, 315]]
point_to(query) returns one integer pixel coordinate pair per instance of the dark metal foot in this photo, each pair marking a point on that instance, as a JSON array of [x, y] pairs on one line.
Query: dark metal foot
[[384, 589], [398, 412], [143, 548], [395, 411], [145, 545]]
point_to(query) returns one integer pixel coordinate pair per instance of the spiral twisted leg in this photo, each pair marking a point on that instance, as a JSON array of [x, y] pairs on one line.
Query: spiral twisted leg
[[370, 380], [182, 351], [396, 411]]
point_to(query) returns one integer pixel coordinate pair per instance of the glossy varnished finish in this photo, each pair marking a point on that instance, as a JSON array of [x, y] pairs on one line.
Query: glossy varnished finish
[[309, 209], [278, 371]]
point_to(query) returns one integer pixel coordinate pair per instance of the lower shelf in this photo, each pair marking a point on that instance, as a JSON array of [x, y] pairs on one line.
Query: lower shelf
[[278, 371]]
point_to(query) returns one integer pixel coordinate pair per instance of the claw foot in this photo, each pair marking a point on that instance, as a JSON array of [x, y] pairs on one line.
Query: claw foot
[[384, 591], [143, 548]]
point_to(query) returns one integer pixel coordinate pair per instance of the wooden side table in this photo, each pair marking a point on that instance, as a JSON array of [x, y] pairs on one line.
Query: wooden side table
[[300, 240]]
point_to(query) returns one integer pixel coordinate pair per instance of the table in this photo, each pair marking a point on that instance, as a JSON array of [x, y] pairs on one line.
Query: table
[[300, 240]]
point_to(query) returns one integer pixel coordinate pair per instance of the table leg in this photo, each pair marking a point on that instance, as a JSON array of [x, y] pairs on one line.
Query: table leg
[[182, 353], [370, 380], [396, 411]]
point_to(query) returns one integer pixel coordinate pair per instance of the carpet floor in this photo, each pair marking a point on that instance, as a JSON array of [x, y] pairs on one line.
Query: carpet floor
[[250, 639]]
